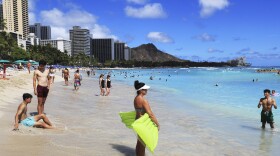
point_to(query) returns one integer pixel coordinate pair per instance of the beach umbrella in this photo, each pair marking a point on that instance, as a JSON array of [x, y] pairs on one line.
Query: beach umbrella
[[20, 61], [35, 63], [4, 61]]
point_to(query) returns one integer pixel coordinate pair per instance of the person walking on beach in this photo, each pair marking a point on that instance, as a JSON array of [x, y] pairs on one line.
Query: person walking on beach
[[42, 88], [102, 85], [142, 106], [266, 115], [52, 74], [66, 76], [108, 85], [28, 66], [33, 121], [77, 80]]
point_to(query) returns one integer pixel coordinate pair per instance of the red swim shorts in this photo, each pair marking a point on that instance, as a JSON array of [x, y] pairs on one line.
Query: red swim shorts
[[42, 91]]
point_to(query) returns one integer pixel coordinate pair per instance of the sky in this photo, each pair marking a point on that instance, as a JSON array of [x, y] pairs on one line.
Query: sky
[[197, 30]]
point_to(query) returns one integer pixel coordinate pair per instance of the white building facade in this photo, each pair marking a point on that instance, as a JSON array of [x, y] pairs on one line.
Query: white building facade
[[60, 44]]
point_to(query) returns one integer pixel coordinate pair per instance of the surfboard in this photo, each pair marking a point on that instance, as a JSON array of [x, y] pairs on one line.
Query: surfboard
[[144, 127]]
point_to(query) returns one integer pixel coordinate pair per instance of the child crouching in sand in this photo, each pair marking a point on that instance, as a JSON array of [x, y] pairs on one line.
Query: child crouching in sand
[[33, 121]]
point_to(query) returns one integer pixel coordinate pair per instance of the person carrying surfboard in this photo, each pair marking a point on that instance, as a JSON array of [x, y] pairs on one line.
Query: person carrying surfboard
[[142, 106]]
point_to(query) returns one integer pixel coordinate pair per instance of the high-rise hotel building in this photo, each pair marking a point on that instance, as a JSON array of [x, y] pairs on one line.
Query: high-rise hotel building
[[1, 15], [41, 31], [103, 49], [80, 40], [119, 51], [15, 12]]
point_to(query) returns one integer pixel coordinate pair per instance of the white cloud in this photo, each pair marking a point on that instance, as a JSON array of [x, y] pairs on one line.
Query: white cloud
[[32, 18], [73, 17], [159, 37], [31, 9], [154, 10], [61, 22], [102, 32], [212, 50], [60, 32], [137, 1], [205, 37], [31, 5], [210, 6]]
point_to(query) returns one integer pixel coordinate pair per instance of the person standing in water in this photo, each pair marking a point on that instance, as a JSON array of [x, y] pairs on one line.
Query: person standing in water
[[102, 85], [77, 80], [42, 88], [142, 106], [52, 74], [66, 75], [108, 85], [266, 115]]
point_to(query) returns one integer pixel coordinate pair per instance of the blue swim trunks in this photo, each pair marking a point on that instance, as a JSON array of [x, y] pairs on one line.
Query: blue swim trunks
[[29, 122]]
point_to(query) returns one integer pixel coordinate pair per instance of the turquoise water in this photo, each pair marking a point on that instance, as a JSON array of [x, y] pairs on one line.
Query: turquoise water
[[236, 93], [229, 109]]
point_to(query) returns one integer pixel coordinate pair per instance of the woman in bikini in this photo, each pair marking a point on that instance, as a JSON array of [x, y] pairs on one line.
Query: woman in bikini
[[142, 106]]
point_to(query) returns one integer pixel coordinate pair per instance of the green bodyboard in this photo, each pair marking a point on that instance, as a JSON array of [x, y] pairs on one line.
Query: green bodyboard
[[144, 127], [128, 118], [147, 131]]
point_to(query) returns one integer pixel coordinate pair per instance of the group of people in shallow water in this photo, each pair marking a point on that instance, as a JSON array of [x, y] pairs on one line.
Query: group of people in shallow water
[[104, 85], [41, 85], [77, 78]]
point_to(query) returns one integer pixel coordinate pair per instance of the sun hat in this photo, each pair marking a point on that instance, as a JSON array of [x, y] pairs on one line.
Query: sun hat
[[140, 85]]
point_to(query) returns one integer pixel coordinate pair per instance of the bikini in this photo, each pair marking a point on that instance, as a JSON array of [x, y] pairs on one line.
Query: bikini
[[140, 110]]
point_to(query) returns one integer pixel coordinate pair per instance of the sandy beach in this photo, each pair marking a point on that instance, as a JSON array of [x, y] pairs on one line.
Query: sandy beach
[[88, 124], [105, 125]]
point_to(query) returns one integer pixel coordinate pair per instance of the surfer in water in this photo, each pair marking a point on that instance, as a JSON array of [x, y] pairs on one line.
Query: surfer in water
[[266, 115], [142, 106]]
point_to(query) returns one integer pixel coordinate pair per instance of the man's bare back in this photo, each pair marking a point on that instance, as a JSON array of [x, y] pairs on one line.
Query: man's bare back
[[77, 76], [23, 115]]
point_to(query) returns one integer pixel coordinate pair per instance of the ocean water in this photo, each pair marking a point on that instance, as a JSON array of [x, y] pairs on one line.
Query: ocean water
[[229, 111]]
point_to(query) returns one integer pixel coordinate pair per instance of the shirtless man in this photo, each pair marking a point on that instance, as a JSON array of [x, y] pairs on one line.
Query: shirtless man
[[42, 89], [77, 80], [32, 121], [28, 67], [267, 102], [65, 75]]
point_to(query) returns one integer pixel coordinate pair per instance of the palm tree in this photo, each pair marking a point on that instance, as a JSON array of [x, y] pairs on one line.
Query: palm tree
[[3, 24]]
